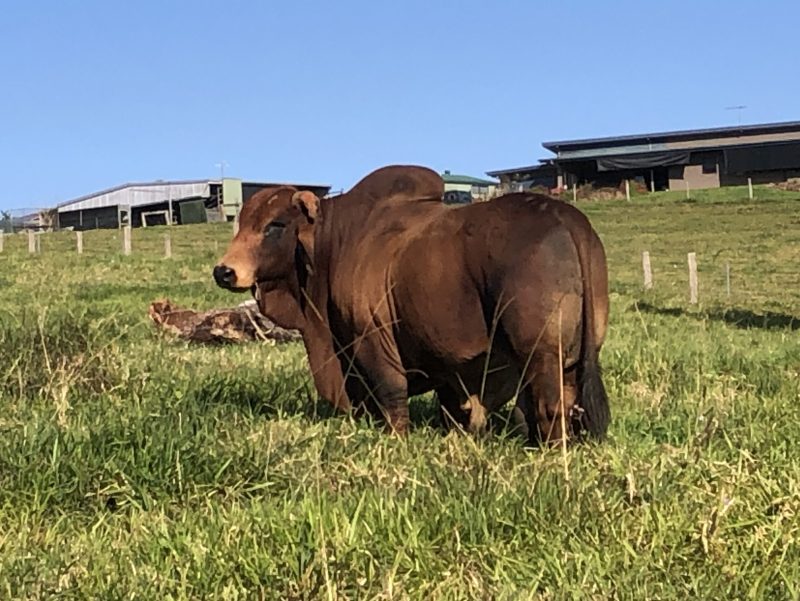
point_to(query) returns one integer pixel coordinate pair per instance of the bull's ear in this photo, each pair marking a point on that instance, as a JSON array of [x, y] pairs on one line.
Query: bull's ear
[[308, 204]]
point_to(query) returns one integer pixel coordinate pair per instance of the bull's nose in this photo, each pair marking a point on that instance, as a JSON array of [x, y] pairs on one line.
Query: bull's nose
[[224, 276]]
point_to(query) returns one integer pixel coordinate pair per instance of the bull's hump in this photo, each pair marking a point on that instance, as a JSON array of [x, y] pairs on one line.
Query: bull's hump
[[400, 182]]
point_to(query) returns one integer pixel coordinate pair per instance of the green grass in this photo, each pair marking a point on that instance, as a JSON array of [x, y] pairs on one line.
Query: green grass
[[135, 466]]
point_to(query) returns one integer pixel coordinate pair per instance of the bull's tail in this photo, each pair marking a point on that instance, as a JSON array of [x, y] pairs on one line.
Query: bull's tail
[[594, 413]]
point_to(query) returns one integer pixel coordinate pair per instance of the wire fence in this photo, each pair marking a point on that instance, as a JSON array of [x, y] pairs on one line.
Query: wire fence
[[757, 271], [694, 278], [154, 242]]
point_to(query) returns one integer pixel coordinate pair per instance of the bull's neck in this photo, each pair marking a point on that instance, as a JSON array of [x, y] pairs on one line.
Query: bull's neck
[[328, 235]]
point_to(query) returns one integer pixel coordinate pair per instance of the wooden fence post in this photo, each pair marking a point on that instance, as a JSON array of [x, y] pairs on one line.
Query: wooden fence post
[[31, 242], [79, 242], [126, 239], [692, 278], [648, 274], [167, 246]]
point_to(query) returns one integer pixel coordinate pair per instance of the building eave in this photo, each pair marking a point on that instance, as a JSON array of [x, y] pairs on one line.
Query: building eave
[[670, 136]]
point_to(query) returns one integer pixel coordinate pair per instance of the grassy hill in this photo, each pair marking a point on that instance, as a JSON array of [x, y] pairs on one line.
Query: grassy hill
[[132, 465]]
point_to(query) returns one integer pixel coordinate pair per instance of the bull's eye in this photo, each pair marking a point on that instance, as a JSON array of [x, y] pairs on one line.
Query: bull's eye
[[274, 229]]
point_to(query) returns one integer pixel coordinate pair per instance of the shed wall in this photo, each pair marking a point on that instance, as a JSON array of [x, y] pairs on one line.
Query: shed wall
[[89, 219]]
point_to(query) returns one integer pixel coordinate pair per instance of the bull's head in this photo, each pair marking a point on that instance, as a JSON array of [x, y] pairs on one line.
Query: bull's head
[[272, 225]]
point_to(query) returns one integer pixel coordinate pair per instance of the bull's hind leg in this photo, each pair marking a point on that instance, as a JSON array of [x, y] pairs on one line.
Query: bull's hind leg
[[451, 413], [547, 400], [458, 409]]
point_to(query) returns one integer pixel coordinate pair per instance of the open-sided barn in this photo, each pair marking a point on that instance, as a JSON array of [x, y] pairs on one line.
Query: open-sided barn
[[142, 204]]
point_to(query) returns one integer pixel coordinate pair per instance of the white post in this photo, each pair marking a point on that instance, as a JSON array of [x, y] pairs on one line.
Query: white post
[[750, 187], [167, 246], [688, 196], [728, 279], [1, 240], [574, 192], [648, 274], [692, 278], [79, 242], [31, 242], [628, 190], [652, 181], [126, 239]]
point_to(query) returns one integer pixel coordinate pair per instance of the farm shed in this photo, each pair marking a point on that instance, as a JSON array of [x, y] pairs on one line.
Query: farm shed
[[464, 188], [701, 158], [143, 204], [543, 174]]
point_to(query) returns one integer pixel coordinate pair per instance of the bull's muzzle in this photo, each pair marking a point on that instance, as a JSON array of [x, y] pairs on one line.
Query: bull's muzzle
[[224, 276]]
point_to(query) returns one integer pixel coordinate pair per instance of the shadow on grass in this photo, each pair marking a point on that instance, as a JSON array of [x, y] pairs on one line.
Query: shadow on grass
[[275, 398], [739, 318]]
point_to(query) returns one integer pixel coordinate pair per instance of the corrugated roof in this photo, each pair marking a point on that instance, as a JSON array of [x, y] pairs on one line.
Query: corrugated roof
[[138, 194], [451, 178], [543, 165], [764, 128], [142, 193]]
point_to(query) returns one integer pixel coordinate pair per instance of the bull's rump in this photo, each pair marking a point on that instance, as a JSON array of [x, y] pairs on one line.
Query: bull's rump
[[486, 275]]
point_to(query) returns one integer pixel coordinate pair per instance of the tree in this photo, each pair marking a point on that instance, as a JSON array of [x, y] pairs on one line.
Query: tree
[[5, 221]]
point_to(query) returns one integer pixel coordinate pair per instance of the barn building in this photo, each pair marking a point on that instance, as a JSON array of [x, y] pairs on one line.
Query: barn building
[[460, 189], [702, 158], [143, 204]]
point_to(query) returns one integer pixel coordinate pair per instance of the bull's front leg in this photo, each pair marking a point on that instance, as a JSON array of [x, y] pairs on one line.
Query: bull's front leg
[[391, 396], [325, 366], [385, 383]]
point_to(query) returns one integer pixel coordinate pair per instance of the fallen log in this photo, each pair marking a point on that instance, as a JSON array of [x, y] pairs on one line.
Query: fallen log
[[243, 323]]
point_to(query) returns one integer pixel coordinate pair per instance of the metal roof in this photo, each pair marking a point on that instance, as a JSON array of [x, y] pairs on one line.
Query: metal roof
[[138, 194], [144, 193], [451, 178], [543, 165], [128, 185], [764, 128]]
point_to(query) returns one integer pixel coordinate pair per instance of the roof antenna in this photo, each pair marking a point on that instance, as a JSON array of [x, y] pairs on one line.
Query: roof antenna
[[222, 164], [738, 108]]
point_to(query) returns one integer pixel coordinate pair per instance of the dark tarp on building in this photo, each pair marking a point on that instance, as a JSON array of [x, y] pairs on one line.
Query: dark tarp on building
[[643, 161]]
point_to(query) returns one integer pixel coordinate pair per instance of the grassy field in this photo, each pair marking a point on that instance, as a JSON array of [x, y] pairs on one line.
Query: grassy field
[[134, 466]]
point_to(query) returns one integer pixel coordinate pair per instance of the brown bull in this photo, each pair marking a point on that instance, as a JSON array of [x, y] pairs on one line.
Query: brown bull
[[397, 294]]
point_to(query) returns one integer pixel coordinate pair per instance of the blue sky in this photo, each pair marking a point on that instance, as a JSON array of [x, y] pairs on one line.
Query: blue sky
[[100, 93]]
